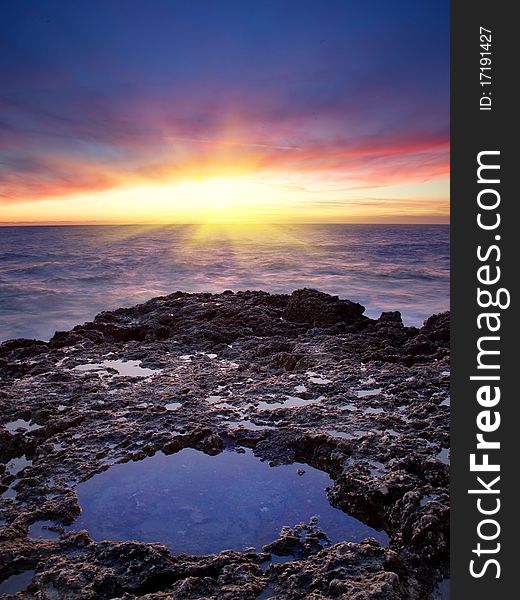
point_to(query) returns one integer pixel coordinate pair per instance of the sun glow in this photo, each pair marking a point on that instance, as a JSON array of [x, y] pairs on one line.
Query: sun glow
[[209, 199], [262, 197], [214, 200], [232, 181]]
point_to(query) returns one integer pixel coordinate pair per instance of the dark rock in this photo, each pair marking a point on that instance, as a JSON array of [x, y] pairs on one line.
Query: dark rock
[[370, 412], [317, 308], [437, 327], [391, 317]]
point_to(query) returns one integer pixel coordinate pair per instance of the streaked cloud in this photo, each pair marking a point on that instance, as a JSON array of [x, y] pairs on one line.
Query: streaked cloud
[[338, 101]]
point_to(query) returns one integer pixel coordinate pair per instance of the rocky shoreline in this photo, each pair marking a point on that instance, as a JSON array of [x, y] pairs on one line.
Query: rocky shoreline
[[214, 371]]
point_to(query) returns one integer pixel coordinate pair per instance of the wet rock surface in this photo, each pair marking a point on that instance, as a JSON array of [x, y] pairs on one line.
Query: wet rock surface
[[296, 378]]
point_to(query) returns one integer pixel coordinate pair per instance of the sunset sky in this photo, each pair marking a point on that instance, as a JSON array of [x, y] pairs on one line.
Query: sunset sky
[[220, 111]]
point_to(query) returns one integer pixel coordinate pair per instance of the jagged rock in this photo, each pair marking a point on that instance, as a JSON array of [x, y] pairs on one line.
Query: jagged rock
[[318, 308], [368, 405]]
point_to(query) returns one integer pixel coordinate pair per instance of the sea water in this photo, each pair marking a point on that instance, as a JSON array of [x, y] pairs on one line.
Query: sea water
[[52, 278]]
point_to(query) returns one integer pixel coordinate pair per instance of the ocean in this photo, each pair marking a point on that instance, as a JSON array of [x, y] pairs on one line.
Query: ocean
[[55, 277]]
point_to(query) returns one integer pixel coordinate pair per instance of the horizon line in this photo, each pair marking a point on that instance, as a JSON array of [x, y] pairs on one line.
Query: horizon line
[[199, 224]]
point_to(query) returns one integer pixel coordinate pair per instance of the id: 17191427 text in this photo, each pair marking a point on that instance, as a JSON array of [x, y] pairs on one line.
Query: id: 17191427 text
[[485, 69]]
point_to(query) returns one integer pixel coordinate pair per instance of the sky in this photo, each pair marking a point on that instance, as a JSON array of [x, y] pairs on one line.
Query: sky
[[191, 111]]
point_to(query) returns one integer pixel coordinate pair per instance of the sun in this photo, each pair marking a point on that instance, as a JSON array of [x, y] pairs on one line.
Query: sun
[[220, 199], [202, 200]]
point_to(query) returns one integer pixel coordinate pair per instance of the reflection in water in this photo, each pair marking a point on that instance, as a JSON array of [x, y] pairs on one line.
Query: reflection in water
[[14, 426], [267, 592], [124, 368], [42, 530], [245, 424], [289, 402], [200, 504], [347, 435], [444, 456], [18, 464], [16, 583], [366, 393], [47, 273], [442, 591]]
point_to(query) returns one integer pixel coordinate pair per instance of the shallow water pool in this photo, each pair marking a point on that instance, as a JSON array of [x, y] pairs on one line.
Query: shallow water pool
[[16, 583], [200, 504], [124, 368]]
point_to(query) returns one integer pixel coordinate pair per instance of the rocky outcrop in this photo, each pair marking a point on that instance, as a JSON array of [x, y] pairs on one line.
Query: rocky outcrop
[[320, 309], [369, 405]]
